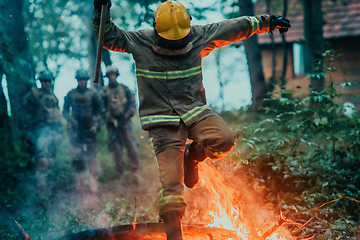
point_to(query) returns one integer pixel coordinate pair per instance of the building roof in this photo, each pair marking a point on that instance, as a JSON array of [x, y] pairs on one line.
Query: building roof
[[341, 19]]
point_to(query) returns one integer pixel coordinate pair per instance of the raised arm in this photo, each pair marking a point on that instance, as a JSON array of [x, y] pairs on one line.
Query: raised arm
[[231, 30], [228, 31], [115, 39]]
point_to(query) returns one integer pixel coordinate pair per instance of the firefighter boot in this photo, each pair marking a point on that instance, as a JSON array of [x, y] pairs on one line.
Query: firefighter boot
[[173, 229], [194, 153]]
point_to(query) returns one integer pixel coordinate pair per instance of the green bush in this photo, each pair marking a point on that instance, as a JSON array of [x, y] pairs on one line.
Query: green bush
[[305, 152]]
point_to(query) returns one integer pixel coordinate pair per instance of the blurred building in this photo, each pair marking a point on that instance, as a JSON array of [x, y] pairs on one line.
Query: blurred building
[[341, 33]]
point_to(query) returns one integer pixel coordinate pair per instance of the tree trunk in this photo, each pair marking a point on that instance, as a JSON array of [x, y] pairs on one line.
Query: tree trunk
[[253, 56], [313, 31], [19, 77], [285, 54], [4, 118], [219, 77], [6, 60], [284, 47], [272, 79]]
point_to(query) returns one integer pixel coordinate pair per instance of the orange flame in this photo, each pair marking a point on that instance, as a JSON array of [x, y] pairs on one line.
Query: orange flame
[[223, 200]]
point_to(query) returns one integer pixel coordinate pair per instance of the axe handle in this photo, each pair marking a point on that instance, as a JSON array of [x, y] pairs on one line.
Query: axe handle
[[104, 9]]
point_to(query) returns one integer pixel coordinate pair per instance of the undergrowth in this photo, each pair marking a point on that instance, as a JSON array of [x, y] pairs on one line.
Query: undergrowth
[[304, 156]]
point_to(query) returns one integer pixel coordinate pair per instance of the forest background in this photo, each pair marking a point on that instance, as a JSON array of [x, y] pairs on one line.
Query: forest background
[[296, 153]]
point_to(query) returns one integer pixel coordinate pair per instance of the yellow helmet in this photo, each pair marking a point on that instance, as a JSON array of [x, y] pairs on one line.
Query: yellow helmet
[[172, 21]]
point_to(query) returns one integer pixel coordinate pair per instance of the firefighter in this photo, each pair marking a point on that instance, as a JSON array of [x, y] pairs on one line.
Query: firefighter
[[82, 109], [42, 122], [171, 94], [119, 105]]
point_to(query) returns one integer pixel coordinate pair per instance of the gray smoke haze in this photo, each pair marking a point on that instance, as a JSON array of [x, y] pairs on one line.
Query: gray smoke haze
[[65, 210]]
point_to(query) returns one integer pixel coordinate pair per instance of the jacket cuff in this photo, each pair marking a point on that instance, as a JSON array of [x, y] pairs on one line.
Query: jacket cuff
[[260, 23]]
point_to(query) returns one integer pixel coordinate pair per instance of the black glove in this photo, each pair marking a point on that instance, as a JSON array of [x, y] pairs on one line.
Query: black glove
[[98, 3], [280, 23]]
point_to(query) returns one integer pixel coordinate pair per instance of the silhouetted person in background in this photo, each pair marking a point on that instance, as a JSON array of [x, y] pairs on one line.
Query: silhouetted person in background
[[119, 107], [42, 121], [82, 109]]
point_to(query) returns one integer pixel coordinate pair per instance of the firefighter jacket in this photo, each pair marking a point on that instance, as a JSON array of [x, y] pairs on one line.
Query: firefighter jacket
[[84, 106], [41, 108], [117, 100], [170, 81]]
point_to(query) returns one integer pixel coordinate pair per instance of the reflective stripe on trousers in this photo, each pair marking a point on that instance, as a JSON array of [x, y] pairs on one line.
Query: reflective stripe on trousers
[[169, 145]]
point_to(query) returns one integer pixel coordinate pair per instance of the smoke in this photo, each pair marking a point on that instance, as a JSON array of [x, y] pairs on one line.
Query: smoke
[[63, 209]]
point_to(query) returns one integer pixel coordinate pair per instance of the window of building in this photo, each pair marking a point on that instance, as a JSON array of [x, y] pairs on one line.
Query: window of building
[[302, 63]]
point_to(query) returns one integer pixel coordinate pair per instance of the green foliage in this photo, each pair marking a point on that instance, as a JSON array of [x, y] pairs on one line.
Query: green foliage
[[6, 56], [305, 152], [4, 234], [12, 170], [57, 29]]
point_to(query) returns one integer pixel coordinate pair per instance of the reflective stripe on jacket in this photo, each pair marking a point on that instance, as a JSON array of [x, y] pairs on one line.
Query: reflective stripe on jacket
[[170, 81]]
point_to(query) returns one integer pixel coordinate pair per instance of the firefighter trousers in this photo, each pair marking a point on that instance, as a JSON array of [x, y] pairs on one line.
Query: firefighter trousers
[[169, 144]]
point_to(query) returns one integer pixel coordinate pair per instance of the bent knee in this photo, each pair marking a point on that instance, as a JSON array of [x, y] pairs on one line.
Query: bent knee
[[221, 146]]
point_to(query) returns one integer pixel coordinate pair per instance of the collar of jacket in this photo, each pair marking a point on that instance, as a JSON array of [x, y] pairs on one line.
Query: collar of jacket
[[172, 52]]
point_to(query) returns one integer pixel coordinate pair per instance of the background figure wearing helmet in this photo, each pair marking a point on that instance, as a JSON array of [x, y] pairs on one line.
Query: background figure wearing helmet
[[82, 109], [171, 94], [42, 121], [119, 107]]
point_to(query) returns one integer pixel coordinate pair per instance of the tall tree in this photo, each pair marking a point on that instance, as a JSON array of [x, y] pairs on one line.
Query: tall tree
[[222, 81], [277, 5], [284, 45], [21, 72], [253, 55], [313, 31], [4, 119], [56, 32], [272, 79], [6, 57]]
